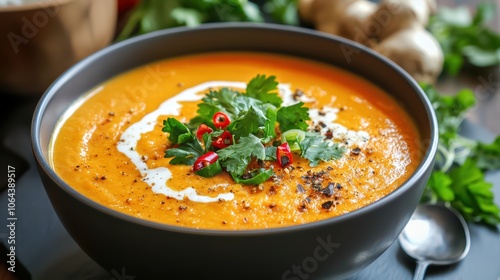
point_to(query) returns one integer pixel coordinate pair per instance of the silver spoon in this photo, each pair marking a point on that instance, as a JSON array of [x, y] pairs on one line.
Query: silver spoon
[[436, 235]]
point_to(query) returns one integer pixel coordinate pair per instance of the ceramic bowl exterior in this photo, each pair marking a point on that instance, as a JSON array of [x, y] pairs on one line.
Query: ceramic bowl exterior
[[328, 249]]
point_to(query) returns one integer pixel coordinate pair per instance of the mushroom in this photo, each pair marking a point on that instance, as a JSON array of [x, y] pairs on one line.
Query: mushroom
[[416, 50]]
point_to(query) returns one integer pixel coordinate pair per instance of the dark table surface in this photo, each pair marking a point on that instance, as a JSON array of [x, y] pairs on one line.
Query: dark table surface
[[47, 252]]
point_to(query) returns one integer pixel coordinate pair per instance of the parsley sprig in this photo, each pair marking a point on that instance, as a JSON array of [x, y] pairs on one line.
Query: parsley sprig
[[257, 118], [458, 177], [466, 38]]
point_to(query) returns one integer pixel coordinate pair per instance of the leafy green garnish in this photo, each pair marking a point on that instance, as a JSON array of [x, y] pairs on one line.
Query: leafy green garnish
[[487, 156], [465, 38], [178, 132], [188, 150], [465, 188], [256, 116], [440, 184], [458, 177], [314, 148], [236, 158], [250, 122], [185, 154], [227, 100], [271, 153], [264, 89], [293, 117]]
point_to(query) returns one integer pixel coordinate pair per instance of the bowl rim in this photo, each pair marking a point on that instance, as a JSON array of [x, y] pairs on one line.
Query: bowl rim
[[426, 163]]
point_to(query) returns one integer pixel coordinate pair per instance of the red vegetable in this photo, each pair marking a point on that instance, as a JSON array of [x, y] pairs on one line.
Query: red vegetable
[[202, 130], [205, 160], [224, 140], [284, 155], [221, 120]]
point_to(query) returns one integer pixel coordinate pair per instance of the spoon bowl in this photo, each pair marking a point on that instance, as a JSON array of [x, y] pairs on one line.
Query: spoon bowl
[[435, 234]]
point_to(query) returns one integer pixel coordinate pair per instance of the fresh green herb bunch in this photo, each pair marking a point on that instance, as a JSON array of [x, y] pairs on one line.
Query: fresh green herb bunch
[[465, 38], [234, 129], [461, 162], [152, 15]]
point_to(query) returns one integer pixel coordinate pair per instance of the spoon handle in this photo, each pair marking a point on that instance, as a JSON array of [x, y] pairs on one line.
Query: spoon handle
[[420, 270]]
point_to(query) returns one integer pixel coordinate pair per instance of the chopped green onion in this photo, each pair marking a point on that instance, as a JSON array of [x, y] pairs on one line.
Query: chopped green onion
[[293, 137]]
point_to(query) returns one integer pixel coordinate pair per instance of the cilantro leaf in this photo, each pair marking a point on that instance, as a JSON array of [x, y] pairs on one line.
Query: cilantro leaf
[[264, 89], [189, 148], [487, 156], [473, 195], [460, 162], [218, 100], [185, 154], [236, 157], [440, 184], [293, 117], [205, 113], [315, 148], [450, 113], [251, 122], [450, 110], [271, 153], [226, 100], [178, 132]]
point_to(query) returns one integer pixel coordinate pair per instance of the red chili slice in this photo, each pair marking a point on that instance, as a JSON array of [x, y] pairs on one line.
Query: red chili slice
[[221, 120], [223, 141], [202, 130], [284, 155], [205, 160]]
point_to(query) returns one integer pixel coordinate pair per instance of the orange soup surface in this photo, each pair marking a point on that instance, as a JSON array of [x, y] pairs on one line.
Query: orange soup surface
[[110, 145]]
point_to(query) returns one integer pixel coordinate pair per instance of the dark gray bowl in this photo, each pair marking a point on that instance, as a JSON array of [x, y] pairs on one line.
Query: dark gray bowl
[[333, 248]]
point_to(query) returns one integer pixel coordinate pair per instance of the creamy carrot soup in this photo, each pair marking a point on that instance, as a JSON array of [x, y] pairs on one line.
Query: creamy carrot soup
[[117, 145]]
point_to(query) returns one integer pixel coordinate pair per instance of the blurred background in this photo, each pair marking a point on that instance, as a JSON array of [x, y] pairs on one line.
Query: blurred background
[[41, 39]]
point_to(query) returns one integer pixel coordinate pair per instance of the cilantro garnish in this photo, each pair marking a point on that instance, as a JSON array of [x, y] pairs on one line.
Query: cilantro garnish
[[250, 122], [178, 132], [188, 150], [458, 177], [235, 158], [314, 148], [264, 89], [293, 117], [256, 116]]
